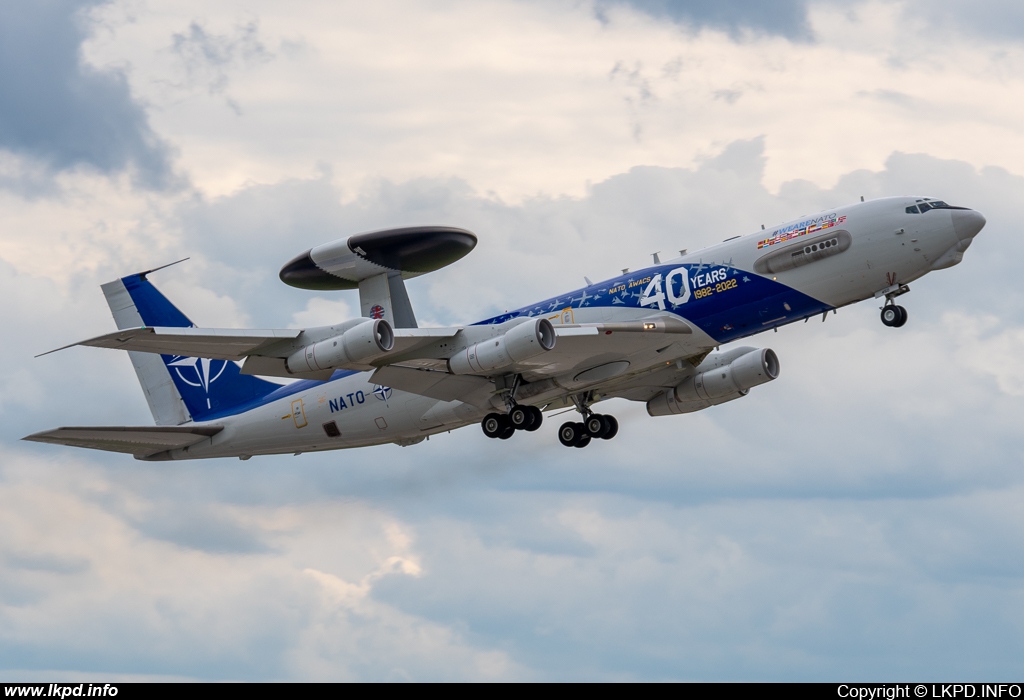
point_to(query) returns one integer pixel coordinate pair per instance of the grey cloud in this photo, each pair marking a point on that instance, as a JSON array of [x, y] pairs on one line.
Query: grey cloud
[[36, 561], [206, 57], [1002, 19], [63, 113], [787, 18]]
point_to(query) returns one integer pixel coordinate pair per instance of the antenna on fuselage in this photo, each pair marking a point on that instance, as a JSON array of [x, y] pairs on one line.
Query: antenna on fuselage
[[657, 260]]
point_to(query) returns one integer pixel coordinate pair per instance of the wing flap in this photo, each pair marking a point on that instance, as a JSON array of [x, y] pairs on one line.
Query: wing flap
[[141, 441]]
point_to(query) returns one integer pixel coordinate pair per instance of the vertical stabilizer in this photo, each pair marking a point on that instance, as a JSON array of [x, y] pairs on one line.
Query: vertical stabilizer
[[179, 389], [165, 403]]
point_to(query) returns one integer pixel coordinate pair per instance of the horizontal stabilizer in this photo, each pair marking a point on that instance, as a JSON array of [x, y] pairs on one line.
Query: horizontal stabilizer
[[138, 441], [215, 343]]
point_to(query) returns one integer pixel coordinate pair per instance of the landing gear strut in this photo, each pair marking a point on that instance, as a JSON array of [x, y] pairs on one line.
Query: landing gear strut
[[519, 417], [594, 425], [894, 315]]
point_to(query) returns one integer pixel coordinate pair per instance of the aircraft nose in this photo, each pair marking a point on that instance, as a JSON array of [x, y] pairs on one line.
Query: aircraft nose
[[967, 223]]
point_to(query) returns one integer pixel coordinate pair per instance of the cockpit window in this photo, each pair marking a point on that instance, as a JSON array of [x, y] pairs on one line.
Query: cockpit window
[[927, 204]]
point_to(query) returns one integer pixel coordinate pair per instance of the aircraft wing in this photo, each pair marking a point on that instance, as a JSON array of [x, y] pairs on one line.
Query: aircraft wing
[[138, 441], [435, 384], [215, 343], [235, 344]]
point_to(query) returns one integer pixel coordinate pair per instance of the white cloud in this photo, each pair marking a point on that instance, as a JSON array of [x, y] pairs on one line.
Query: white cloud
[[322, 312], [522, 98], [86, 582]]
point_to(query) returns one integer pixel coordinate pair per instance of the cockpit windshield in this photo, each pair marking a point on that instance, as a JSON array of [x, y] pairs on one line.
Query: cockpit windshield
[[924, 205]]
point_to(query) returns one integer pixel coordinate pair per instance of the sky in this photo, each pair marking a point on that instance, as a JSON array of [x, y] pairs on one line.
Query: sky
[[858, 519]]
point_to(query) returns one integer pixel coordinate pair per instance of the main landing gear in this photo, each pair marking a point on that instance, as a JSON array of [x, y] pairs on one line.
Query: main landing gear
[[593, 426], [596, 426], [572, 434], [519, 417], [504, 426]]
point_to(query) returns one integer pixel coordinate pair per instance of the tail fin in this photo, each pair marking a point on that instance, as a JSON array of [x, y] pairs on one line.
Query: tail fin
[[178, 389]]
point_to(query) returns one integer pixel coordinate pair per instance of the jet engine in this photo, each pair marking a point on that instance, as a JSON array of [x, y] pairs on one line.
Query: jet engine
[[357, 345], [522, 342], [720, 378]]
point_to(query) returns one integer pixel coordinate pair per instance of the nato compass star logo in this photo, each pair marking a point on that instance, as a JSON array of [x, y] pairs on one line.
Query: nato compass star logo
[[198, 372], [382, 392]]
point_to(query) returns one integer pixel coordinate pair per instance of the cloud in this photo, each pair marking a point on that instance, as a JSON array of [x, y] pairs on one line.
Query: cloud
[[206, 57], [130, 603], [993, 19], [787, 18], [65, 113]]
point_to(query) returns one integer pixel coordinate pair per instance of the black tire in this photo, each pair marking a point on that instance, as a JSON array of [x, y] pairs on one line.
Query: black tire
[[494, 424], [520, 417], [509, 432], [583, 441], [569, 433], [903, 317], [613, 427], [891, 315], [596, 426], [538, 418]]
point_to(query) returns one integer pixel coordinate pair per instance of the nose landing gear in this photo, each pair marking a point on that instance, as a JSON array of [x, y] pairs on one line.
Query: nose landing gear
[[893, 315]]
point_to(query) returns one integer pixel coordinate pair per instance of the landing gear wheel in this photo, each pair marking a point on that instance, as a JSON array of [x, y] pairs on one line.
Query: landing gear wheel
[[583, 441], [596, 425], [521, 417], [509, 432], [494, 425], [570, 433], [894, 316], [538, 418], [613, 427]]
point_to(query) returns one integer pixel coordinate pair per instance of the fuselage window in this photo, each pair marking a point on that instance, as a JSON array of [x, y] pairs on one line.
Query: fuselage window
[[924, 207], [912, 210]]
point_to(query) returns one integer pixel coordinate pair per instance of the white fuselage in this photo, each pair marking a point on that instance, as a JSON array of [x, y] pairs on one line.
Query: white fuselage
[[866, 249]]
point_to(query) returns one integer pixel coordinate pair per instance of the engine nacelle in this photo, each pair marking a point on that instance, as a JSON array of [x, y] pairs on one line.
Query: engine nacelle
[[717, 383], [522, 342], [356, 345]]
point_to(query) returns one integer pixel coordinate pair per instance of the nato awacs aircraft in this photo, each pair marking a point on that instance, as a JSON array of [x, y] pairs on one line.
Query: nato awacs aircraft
[[649, 335]]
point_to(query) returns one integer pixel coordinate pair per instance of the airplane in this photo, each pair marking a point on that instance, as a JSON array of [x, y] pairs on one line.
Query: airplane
[[654, 336]]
